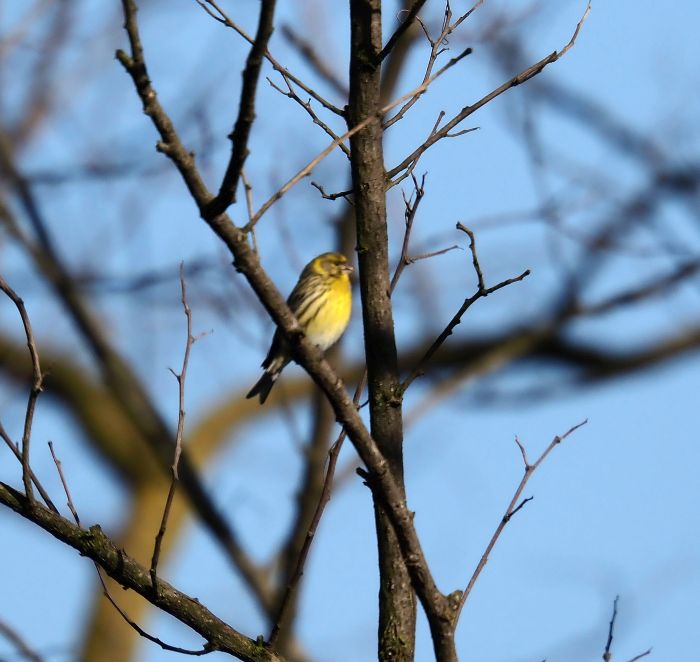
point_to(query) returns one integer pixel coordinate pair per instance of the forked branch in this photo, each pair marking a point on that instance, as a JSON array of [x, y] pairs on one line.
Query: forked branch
[[513, 507], [481, 292], [36, 387], [520, 78]]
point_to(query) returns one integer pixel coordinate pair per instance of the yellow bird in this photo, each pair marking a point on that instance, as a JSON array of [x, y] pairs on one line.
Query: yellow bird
[[321, 301]]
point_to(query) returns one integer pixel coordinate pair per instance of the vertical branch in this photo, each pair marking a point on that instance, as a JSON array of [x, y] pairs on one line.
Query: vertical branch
[[181, 376], [513, 507], [397, 603], [37, 381]]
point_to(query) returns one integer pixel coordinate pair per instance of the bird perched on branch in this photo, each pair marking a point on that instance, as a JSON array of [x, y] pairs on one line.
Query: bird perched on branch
[[321, 301]]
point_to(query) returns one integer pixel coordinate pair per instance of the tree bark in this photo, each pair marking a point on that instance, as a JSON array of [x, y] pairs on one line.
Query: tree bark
[[397, 602]]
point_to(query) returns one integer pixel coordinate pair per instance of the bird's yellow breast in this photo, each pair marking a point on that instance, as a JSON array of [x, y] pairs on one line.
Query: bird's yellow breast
[[333, 315]]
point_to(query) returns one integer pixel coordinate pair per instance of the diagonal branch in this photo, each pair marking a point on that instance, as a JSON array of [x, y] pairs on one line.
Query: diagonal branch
[[437, 47], [317, 62], [369, 119], [513, 507], [407, 22], [23, 649], [225, 20], [522, 77], [306, 105], [105, 590], [98, 547], [292, 581], [246, 111], [16, 451], [481, 292]]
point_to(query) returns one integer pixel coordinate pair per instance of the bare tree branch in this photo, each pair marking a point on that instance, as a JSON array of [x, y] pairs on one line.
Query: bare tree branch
[[36, 388], [306, 105], [225, 20], [69, 499], [375, 116], [522, 77], [180, 377], [246, 111], [481, 292], [294, 579], [513, 507], [18, 454], [437, 47], [406, 23], [105, 590], [607, 655], [94, 544]]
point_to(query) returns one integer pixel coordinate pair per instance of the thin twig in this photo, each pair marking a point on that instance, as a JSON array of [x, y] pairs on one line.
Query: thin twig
[[475, 259], [69, 500], [180, 377], [411, 207], [512, 509], [323, 500], [333, 196], [427, 256], [523, 76], [249, 207], [375, 117], [437, 47], [205, 650], [414, 97], [306, 105], [105, 590], [18, 454], [411, 14], [607, 655], [481, 292], [225, 20], [36, 387]]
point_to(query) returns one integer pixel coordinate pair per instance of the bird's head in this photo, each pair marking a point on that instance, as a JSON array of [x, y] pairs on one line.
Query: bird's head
[[334, 265]]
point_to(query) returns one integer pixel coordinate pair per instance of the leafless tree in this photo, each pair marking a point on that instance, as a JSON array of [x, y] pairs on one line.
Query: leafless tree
[[92, 376]]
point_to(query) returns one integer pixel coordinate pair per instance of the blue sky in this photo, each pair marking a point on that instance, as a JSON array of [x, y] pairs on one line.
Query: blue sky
[[615, 506]]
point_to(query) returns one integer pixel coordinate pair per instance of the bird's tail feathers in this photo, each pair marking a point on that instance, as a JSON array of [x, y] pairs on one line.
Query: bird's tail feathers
[[263, 386], [272, 371]]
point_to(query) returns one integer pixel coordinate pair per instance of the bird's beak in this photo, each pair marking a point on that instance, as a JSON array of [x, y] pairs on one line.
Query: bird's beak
[[347, 268]]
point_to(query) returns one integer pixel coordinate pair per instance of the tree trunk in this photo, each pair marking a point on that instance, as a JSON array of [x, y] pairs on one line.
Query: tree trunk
[[397, 603]]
